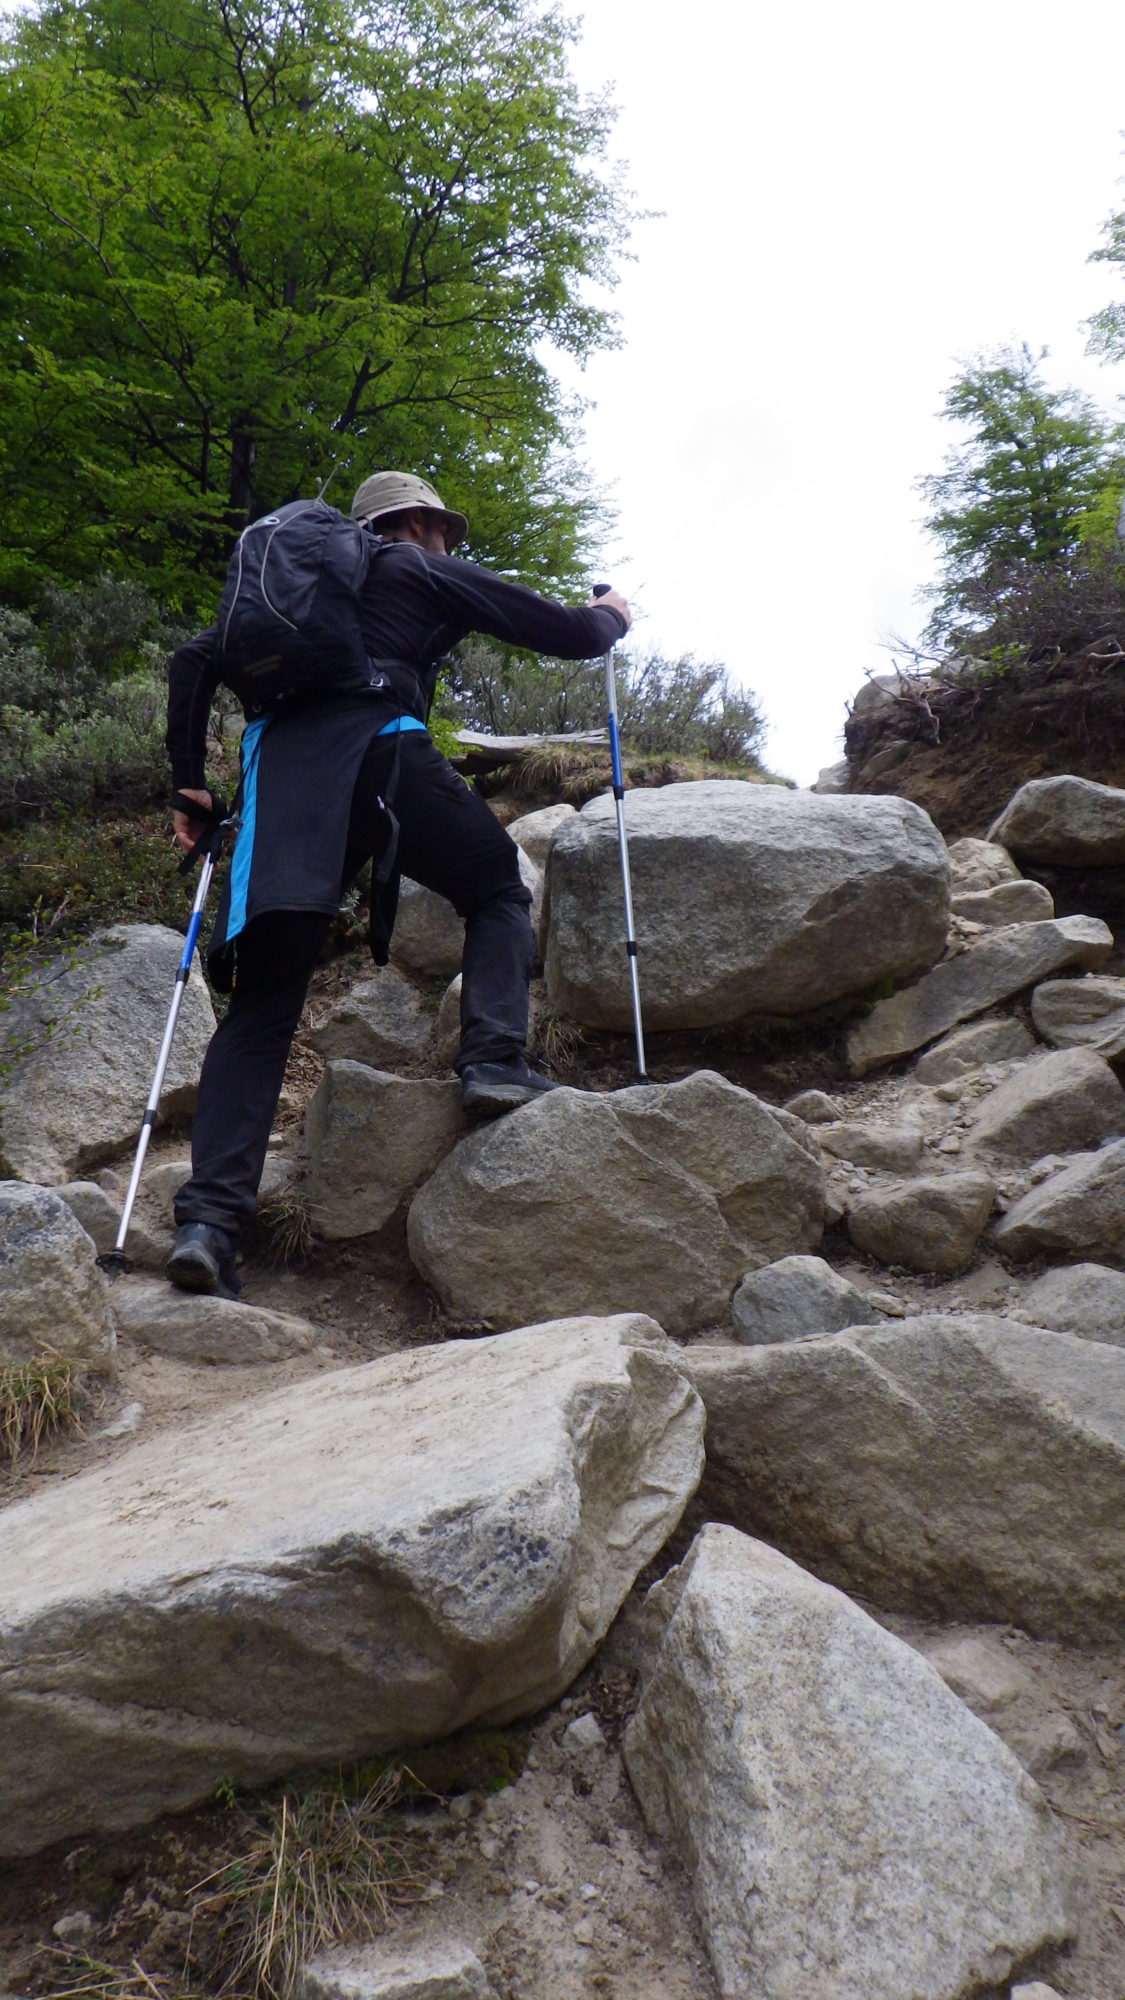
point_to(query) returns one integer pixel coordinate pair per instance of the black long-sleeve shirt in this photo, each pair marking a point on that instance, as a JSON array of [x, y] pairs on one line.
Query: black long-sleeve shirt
[[416, 606]]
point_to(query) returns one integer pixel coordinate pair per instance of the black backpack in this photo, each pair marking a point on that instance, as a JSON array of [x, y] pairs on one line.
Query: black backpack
[[289, 618]]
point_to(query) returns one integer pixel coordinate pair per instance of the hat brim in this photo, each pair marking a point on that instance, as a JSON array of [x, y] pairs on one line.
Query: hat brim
[[455, 526]]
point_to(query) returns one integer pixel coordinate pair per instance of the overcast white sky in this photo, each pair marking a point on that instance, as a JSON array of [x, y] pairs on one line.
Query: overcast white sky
[[856, 198]]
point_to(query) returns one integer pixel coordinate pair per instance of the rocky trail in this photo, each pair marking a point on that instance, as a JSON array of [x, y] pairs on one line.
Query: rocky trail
[[712, 1492]]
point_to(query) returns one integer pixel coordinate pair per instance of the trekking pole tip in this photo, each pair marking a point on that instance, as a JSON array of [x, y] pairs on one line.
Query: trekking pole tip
[[115, 1264]]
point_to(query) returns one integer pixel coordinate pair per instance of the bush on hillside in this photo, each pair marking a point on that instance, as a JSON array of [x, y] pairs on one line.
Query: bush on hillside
[[82, 700], [681, 707], [1037, 611]]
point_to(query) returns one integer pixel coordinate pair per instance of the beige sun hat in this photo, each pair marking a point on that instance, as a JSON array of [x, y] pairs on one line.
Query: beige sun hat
[[390, 492]]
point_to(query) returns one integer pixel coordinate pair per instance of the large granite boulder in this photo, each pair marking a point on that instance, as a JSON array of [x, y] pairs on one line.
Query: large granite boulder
[[931, 1224], [749, 899], [653, 1199], [382, 1021], [850, 1828], [1070, 821], [373, 1558], [1000, 964], [963, 1467], [92, 1030], [53, 1298], [1079, 1211], [1087, 1299], [429, 936], [795, 1297], [535, 831], [979, 865], [1056, 1103], [372, 1139]]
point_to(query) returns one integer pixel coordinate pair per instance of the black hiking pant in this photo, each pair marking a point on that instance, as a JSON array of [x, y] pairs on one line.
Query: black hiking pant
[[450, 842]]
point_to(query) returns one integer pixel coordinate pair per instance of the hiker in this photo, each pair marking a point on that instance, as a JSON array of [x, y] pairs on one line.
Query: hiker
[[329, 781]]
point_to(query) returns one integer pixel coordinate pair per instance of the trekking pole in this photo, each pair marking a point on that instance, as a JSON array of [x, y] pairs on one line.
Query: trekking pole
[[116, 1261], [643, 1076]]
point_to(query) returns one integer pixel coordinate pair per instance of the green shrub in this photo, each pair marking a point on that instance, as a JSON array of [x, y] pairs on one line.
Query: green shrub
[[108, 756], [682, 708]]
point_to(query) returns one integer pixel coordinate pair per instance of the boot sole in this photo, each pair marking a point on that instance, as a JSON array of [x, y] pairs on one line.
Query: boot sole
[[491, 1100]]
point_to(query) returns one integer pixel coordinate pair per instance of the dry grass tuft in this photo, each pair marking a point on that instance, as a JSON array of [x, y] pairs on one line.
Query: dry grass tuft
[[39, 1399], [90, 1979], [561, 1043], [317, 1868], [285, 1226]]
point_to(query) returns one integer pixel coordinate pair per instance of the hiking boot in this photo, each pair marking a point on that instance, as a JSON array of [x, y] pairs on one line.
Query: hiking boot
[[487, 1089], [203, 1260]]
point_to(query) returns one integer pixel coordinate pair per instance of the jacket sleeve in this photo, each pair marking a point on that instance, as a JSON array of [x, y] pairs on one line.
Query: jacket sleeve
[[511, 612], [193, 676]]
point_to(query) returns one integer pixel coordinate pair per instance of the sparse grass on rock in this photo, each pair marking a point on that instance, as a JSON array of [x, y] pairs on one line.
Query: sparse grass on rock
[[39, 1399]]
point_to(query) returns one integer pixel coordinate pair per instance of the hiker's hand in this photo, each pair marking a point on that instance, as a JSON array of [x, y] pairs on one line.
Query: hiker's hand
[[188, 830], [616, 603]]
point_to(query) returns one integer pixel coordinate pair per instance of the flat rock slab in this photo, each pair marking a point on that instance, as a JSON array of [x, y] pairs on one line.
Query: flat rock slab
[[1080, 1211], [850, 1828], [373, 1558], [1055, 1103], [654, 1199], [1067, 820], [963, 1467], [53, 1298], [1070, 1012], [970, 1048], [392, 1969], [193, 1328], [1000, 964], [372, 1139], [78, 1095], [1007, 903], [749, 899]]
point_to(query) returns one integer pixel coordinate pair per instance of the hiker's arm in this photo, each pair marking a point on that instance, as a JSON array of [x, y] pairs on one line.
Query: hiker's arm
[[193, 676], [509, 611]]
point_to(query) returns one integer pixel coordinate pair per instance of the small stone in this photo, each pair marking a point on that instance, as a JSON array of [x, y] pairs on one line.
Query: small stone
[[432, 1891], [461, 1808], [589, 1892], [950, 1145], [122, 1426], [978, 1671], [584, 1933], [815, 1107], [489, 1847], [1036, 1990], [74, 1928], [1055, 1746], [584, 1733]]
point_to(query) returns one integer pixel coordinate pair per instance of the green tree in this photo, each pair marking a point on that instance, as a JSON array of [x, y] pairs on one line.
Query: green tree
[[1038, 475], [245, 248]]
